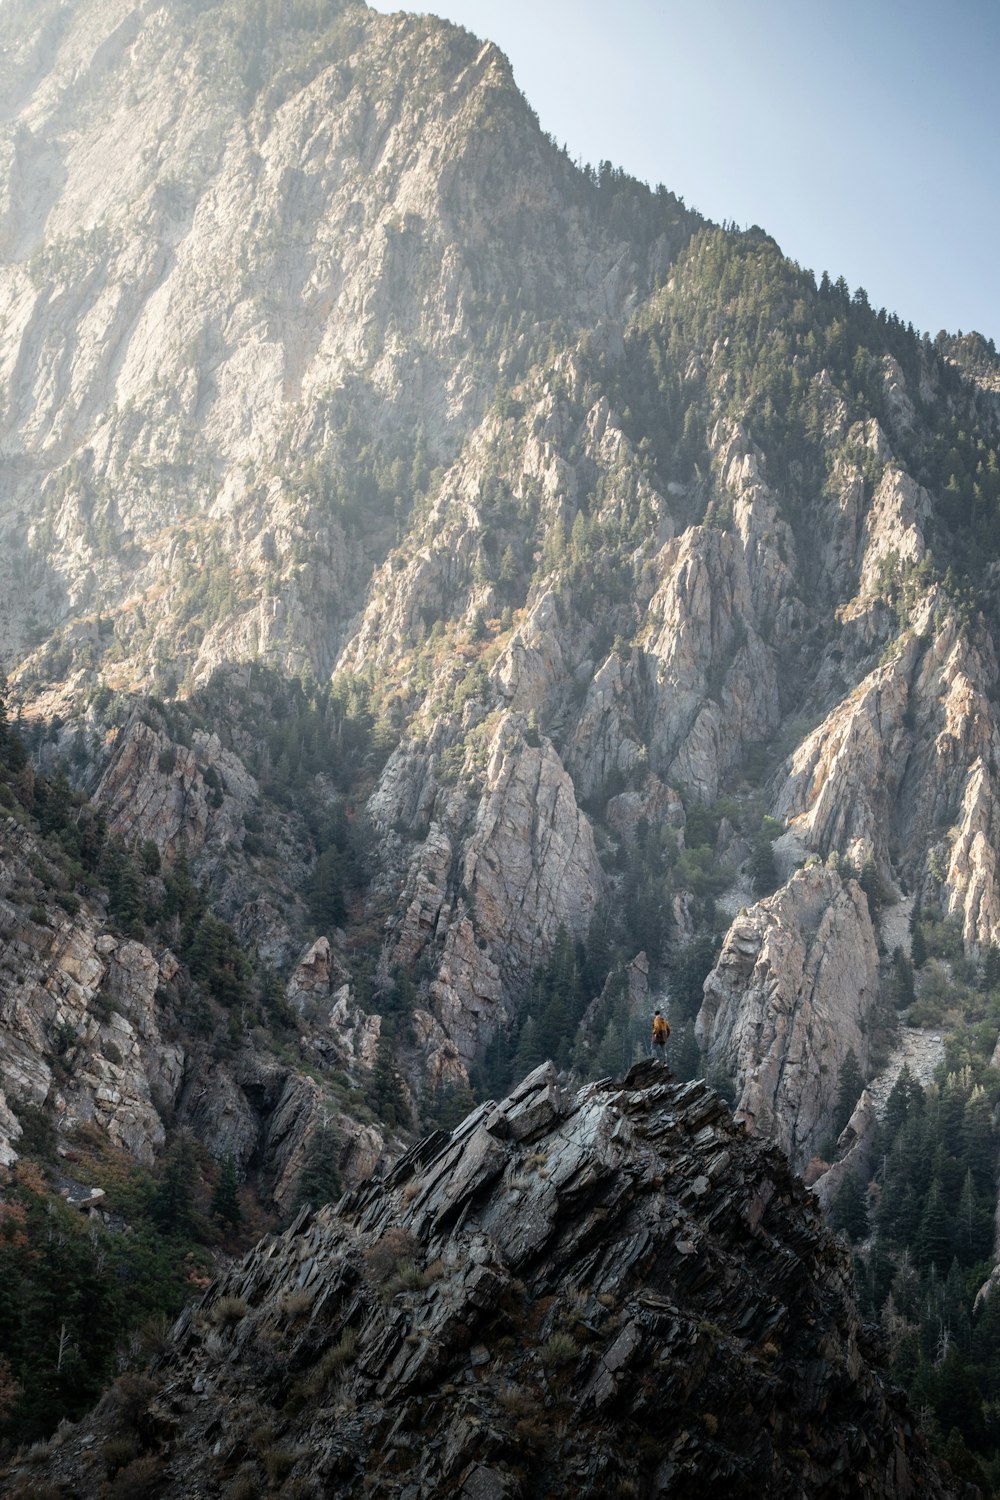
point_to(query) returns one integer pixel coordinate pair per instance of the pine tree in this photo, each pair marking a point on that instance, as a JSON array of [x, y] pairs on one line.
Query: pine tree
[[849, 1209], [763, 867], [172, 1208], [689, 970], [850, 1082], [319, 1180], [684, 1055], [978, 1140], [385, 1093], [991, 967], [529, 1052], [226, 1197], [899, 1104], [903, 969], [933, 1241]]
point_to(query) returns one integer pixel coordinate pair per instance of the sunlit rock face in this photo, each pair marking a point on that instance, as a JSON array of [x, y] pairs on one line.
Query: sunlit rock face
[[794, 991]]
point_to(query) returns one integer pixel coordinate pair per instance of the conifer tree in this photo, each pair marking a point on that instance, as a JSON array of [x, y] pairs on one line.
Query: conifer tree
[[899, 1104], [226, 1198], [385, 1094], [529, 1052], [173, 1201], [933, 1240], [319, 1180], [684, 1056], [903, 969], [849, 1209], [850, 1082]]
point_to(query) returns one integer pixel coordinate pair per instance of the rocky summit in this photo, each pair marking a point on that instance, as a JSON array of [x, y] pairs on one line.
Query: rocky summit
[[616, 1293]]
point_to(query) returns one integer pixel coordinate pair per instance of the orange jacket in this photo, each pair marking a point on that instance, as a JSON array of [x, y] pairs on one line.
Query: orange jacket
[[661, 1029]]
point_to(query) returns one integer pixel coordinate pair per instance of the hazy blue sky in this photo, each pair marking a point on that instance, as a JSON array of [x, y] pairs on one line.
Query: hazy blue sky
[[862, 134]]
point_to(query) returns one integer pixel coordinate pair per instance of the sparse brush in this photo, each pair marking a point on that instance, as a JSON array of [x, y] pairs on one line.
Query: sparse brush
[[117, 1452], [214, 1344], [228, 1311], [531, 1432], [137, 1479], [408, 1278], [517, 1400], [130, 1397], [558, 1349], [262, 1437], [296, 1303], [299, 1489], [278, 1463], [336, 1358], [245, 1485], [154, 1333], [384, 1257]]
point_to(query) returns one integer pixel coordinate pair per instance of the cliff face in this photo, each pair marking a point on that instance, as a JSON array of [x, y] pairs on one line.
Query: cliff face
[[617, 1289], [609, 528], [80, 1023], [99, 1031], [795, 989]]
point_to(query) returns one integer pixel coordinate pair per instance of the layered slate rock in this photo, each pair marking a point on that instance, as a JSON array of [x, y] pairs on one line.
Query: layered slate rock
[[614, 1294]]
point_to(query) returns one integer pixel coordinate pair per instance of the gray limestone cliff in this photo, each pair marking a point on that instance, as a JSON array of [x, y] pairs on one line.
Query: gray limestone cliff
[[794, 990]]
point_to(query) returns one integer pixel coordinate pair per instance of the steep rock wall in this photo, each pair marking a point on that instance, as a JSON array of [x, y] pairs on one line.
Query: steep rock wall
[[794, 989]]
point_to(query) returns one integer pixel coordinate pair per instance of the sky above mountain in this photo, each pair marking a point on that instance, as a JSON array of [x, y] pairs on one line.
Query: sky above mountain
[[863, 136]]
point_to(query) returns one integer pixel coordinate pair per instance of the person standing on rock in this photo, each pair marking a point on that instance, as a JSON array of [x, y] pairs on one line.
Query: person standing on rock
[[661, 1031]]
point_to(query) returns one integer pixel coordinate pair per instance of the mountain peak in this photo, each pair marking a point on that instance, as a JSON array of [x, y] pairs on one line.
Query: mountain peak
[[615, 1292]]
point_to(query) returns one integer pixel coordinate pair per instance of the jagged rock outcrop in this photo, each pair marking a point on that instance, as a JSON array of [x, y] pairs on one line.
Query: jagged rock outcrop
[[87, 1037], [532, 851], [174, 795], [345, 368], [80, 1031], [567, 1294], [794, 990], [195, 352], [902, 771], [490, 885], [264, 1114]]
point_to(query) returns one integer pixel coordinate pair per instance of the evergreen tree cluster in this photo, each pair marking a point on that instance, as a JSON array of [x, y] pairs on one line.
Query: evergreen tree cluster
[[769, 330], [80, 1302], [927, 1224]]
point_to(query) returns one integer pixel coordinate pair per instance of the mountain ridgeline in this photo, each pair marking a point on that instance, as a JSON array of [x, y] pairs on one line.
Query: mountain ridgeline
[[453, 599]]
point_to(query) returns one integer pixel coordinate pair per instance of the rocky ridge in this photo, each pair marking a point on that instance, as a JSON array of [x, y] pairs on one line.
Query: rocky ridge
[[605, 1293]]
